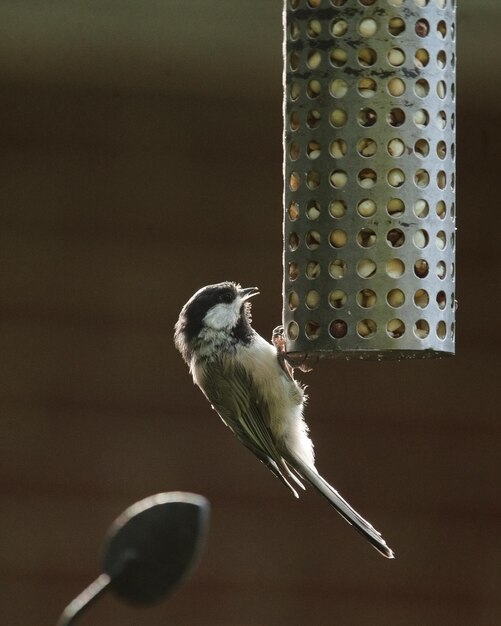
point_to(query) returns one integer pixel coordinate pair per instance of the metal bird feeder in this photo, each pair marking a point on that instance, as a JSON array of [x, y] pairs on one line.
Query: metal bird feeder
[[369, 178]]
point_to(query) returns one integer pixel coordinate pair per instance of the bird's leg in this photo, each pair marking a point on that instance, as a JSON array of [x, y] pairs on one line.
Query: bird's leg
[[286, 362]]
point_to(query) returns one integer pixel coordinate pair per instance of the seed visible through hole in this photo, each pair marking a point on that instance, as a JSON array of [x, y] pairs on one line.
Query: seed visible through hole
[[395, 298], [337, 208], [422, 28], [421, 238], [395, 328], [366, 208], [338, 238], [396, 57], [294, 181], [312, 239], [314, 59], [338, 57], [367, 117], [312, 330], [441, 209], [338, 329], [366, 298], [338, 88], [441, 120], [293, 271], [441, 240], [421, 268], [396, 26], [395, 268], [396, 87], [422, 88], [313, 210], [312, 270], [314, 28], [421, 58], [313, 149], [395, 207], [312, 179], [441, 59], [338, 118], [422, 178], [396, 148], [295, 91], [422, 148], [421, 329], [312, 299], [293, 211], [441, 89], [441, 149], [441, 270], [366, 328], [441, 179], [314, 88], [293, 300], [338, 148], [421, 118], [442, 29], [367, 57], [367, 147], [367, 178], [294, 61], [366, 87], [367, 27], [395, 237], [366, 238], [337, 269], [294, 151], [366, 268], [441, 330], [339, 27], [337, 298], [295, 31], [293, 331], [421, 298], [441, 300], [421, 208], [338, 179], [396, 177], [396, 117], [313, 118]]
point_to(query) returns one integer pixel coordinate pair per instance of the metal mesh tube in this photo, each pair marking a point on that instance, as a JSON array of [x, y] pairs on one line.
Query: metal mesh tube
[[369, 178]]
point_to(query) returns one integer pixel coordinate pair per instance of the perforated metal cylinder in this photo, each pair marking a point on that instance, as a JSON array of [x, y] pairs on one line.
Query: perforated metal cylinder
[[369, 178]]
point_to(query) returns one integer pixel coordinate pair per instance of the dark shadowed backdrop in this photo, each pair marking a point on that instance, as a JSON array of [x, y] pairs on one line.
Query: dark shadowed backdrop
[[140, 147]]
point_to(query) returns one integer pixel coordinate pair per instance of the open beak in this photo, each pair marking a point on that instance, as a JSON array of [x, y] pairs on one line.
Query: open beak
[[248, 292]]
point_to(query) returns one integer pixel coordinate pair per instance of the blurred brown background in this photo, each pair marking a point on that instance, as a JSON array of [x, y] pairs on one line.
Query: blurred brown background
[[141, 159]]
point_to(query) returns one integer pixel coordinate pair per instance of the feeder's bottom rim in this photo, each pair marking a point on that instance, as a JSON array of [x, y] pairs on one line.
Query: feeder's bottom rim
[[298, 358]]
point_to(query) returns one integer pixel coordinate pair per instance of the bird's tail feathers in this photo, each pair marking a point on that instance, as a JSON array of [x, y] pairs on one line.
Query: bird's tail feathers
[[287, 475], [342, 507]]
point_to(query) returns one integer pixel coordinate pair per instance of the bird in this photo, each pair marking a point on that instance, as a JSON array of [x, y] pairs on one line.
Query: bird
[[249, 383]]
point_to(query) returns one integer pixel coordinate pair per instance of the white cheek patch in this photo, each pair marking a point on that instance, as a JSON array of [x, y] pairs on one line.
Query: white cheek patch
[[223, 316]]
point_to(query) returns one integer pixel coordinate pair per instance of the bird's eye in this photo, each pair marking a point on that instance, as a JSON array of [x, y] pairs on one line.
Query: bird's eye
[[226, 297]]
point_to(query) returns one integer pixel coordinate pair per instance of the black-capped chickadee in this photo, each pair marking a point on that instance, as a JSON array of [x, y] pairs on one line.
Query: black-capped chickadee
[[246, 381]]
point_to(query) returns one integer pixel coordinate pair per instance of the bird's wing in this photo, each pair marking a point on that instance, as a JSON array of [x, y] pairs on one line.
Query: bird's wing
[[232, 394]]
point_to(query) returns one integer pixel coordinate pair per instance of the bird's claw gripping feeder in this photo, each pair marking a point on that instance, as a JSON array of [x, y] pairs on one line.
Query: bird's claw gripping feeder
[[369, 178]]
